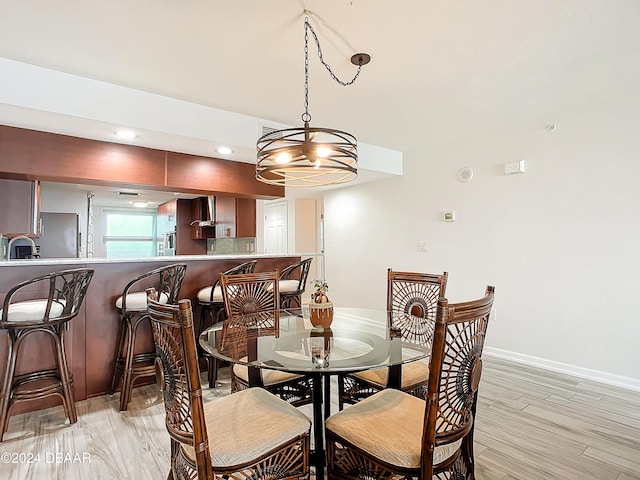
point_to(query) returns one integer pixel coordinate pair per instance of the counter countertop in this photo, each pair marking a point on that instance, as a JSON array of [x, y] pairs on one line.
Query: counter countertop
[[173, 258]]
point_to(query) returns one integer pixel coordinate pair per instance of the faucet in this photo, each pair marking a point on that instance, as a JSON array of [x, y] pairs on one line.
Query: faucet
[[34, 249]]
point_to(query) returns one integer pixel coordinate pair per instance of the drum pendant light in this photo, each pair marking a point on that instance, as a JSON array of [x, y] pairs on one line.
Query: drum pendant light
[[310, 156]]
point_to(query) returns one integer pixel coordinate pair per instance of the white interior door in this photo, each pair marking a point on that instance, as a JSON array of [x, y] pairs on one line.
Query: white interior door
[[275, 228]]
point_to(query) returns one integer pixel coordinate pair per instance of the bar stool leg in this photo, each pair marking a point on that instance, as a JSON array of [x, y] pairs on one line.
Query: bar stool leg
[[65, 376], [212, 363], [117, 372], [5, 394], [125, 392]]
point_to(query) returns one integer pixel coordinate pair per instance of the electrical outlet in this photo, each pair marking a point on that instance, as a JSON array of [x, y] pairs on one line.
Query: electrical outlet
[[422, 246], [492, 315]]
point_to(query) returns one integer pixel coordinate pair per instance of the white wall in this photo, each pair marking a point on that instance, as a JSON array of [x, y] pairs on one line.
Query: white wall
[[559, 243]]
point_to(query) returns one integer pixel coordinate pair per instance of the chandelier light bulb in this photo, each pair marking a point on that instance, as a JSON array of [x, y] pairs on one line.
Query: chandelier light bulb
[[283, 158], [323, 152]]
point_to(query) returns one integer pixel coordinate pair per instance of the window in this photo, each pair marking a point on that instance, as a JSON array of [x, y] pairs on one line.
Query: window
[[129, 234]]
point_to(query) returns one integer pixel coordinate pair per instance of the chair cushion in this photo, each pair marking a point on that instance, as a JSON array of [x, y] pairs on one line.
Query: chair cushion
[[269, 377], [248, 424], [204, 295], [388, 425], [413, 374], [138, 300], [288, 286], [33, 310]]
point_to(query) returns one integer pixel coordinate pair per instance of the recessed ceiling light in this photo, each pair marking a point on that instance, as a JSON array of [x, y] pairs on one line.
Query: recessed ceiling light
[[125, 134], [224, 151], [140, 204]]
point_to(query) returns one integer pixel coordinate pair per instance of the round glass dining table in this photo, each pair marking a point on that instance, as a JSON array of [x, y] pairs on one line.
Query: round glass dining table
[[358, 339]]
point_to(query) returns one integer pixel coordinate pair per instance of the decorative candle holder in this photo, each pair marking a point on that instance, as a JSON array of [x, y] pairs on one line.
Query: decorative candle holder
[[320, 308], [321, 314]]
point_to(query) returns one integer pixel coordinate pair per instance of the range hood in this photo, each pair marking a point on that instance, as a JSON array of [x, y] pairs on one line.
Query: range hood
[[210, 221]]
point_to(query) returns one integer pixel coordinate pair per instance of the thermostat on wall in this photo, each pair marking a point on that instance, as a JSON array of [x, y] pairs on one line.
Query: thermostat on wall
[[514, 167]]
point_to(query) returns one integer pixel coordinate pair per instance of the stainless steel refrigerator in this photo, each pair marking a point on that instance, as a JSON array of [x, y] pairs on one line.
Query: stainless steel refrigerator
[[59, 235]]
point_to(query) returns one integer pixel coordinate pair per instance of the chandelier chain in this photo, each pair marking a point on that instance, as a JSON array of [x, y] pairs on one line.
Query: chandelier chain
[[306, 117]]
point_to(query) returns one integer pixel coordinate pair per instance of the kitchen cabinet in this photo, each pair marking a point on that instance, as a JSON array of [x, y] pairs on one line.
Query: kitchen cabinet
[[225, 217], [20, 212], [166, 228], [174, 229], [54, 157], [245, 217], [235, 217]]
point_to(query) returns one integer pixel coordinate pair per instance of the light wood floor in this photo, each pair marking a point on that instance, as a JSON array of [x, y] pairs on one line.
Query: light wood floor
[[532, 424]]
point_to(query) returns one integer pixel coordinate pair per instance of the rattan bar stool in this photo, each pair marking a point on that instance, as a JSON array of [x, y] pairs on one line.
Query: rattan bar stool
[[132, 307], [43, 304], [212, 311], [290, 287]]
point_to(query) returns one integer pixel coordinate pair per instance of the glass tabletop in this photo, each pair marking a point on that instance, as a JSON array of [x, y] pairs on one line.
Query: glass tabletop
[[358, 339]]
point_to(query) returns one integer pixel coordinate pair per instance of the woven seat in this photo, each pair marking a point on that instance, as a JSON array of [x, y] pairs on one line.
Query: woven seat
[[60, 297], [388, 426], [254, 293], [415, 296], [250, 434], [212, 311], [413, 376], [132, 307], [393, 434]]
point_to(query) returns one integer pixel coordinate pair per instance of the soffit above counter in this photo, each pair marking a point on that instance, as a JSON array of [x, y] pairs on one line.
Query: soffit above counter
[[43, 99], [35, 155]]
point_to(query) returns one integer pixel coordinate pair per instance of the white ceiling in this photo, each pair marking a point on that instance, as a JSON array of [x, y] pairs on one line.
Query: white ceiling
[[440, 68]]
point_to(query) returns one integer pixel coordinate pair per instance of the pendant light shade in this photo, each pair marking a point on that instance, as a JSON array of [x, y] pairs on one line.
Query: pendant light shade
[[309, 156], [302, 157]]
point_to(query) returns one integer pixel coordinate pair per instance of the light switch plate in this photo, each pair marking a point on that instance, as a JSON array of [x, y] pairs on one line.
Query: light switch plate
[[449, 216]]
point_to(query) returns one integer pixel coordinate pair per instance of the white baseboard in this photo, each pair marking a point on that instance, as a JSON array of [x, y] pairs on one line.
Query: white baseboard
[[580, 372]]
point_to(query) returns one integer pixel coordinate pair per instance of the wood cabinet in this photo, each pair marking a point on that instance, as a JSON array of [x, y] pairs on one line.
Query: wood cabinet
[[225, 217], [20, 212], [245, 217], [185, 243], [174, 228], [34, 155], [235, 218]]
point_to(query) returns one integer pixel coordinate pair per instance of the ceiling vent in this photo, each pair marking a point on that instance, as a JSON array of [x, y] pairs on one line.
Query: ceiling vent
[[267, 129]]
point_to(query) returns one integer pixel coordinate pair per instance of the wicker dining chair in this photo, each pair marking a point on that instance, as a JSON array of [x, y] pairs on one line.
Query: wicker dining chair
[[249, 294], [393, 434], [246, 435], [212, 311], [290, 287], [414, 298]]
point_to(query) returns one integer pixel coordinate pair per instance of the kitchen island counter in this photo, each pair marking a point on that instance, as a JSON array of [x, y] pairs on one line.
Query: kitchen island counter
[[164, 259], [93, 334]]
